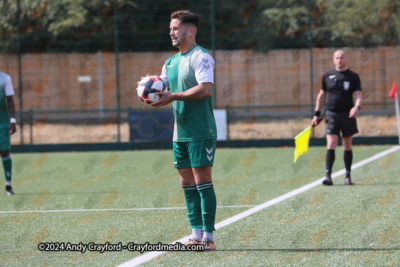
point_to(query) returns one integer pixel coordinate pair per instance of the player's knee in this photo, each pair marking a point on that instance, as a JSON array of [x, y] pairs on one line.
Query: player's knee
[[187, 183], [202, 180], [331, 147], [347, 143], [332, 144], [347, 146]]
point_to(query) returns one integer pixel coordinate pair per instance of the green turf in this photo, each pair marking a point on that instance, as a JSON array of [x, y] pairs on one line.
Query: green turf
[[332, 226]]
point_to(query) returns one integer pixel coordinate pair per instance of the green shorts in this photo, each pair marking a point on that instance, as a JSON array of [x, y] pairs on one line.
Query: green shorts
[[4, 137], [194, 154]]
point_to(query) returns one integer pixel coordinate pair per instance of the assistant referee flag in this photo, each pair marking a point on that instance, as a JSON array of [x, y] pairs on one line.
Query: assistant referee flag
[[393, 91], [301, 143]]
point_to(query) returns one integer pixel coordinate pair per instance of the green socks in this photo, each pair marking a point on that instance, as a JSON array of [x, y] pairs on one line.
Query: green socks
[[192, 198], [201, 205], [7, 165], [208, 206]]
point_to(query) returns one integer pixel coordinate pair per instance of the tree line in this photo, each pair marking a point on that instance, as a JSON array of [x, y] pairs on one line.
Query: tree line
[[89, 25]]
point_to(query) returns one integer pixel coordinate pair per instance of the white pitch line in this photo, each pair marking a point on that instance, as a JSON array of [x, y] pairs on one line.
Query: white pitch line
[[151, 255], [133, 209]]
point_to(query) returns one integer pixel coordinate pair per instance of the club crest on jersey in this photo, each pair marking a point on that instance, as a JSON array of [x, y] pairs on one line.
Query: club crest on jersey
[[346, 85]]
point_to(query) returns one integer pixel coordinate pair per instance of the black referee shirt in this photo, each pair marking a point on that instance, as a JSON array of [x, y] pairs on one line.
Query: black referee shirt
[[340, 86]]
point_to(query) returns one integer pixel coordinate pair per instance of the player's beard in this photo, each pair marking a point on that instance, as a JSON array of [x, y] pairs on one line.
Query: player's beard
[[179, 40]]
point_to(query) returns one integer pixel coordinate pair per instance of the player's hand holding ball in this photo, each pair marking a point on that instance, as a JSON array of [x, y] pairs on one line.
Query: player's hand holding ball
[[166, 97], [149, 87]]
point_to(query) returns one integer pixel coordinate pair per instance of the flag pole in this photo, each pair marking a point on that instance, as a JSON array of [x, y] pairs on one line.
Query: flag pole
[[397, 115]]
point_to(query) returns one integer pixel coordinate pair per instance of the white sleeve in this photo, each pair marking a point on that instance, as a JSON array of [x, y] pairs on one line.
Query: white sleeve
[[9, 89], [164, 76], [204, 68]]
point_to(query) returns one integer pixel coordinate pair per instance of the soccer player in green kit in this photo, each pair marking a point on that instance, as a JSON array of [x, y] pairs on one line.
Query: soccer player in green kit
[[190, 76], [7, 126]]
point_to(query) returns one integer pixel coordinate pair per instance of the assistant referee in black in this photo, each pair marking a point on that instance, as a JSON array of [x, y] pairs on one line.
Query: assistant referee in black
[[338, 86]]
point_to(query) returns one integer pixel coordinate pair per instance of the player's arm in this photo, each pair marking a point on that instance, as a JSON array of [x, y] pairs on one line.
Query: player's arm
[[359, 98], [164, 76], [204, 72], [201, 91], [318, 106], [11, 111], [9, 90], [357, 106]]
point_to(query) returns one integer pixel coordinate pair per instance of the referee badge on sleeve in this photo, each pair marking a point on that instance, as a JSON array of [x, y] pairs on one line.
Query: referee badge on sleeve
[[346, 85]]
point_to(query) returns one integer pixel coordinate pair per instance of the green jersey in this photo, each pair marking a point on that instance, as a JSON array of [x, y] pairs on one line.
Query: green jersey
[[194, 120], [6, 89]]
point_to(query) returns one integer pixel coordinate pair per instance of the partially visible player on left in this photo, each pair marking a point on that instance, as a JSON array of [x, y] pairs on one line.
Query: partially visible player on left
[[7, 126]]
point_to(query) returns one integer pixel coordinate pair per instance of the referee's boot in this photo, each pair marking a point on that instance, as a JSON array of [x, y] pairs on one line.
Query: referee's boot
[[9, 190], [328, 180], [347, 181]]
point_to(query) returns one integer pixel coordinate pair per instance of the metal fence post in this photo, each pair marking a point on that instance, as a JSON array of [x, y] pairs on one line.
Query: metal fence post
[[117, 71], [310, 43], [21, 122], [213, 48], [30, 121]]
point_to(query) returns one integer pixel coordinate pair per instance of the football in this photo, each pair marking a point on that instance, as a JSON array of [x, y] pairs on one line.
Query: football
[[148, 87]]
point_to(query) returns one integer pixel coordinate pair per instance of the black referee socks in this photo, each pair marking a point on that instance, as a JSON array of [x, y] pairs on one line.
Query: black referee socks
[[330, 158], [348, 159]]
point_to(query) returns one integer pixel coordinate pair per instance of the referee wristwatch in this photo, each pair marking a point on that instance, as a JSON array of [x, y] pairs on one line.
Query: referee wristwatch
[[358, 108]]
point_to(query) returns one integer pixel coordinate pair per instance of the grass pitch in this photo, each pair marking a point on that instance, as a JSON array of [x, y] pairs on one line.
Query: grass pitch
[[121, 197]]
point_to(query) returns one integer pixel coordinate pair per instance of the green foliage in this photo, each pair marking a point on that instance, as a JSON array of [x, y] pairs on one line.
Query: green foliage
[[88, 25], [66, 25], [335, 23]]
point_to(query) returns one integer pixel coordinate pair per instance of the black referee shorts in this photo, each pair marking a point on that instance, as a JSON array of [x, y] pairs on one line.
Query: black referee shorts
[[337, 122]]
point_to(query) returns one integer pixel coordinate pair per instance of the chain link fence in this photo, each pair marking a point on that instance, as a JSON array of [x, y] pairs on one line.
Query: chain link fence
[[75, 81]]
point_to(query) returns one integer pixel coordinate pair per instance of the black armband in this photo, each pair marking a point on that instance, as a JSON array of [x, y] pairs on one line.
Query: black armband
[[317, 113]]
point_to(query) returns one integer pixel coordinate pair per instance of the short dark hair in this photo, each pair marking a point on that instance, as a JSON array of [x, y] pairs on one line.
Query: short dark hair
[[186, 17]]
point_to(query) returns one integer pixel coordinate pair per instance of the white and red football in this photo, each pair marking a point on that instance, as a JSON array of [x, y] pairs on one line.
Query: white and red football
[[148, 87]]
